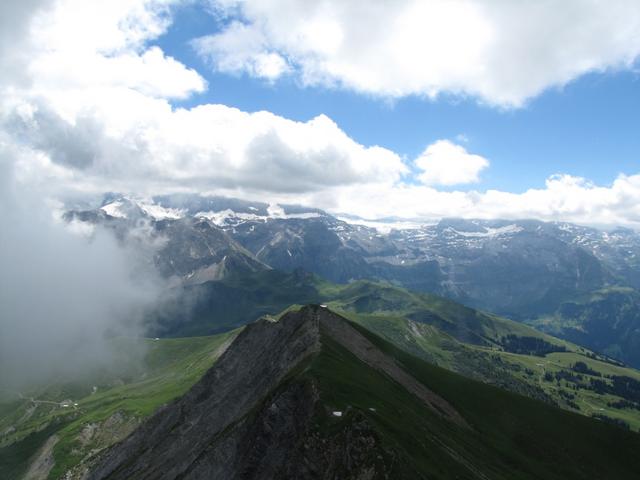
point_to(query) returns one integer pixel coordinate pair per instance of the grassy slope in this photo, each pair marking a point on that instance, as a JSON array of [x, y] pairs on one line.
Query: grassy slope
[[606, 320], [167, 368], [512, 437], [435, 329], [467, 341], [452, 336], [170, 366]]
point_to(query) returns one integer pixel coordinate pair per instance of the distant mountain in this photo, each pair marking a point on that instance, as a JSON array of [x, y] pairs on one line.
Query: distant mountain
[[185, 249], [313, 396], [522, 269], [606, 320], [566, 258]]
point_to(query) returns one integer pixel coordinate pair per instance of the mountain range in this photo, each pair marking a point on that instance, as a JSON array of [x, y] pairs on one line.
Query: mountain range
[[532, 271]]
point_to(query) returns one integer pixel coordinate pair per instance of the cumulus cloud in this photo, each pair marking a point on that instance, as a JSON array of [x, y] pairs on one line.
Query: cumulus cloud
[[96, 112], [60, 45], [206, 147], [563, 198], [96, 115], [241, 48], [501, 52], [445, 163]]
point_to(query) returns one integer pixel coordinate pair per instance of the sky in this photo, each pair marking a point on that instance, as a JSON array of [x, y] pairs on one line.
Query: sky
[[409, 108]]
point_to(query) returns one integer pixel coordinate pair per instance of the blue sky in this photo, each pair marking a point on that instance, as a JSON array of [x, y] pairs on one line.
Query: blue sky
[[587, 128]]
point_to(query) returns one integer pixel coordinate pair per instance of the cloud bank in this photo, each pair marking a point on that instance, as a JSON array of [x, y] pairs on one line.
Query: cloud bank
[[563, 198], [499, 51], [91, 108]]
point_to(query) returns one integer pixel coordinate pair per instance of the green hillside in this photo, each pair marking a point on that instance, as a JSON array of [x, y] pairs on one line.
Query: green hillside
[[524, 435], [92, 413], [607, 320], [509, 436], [479, 345], [496, 351]]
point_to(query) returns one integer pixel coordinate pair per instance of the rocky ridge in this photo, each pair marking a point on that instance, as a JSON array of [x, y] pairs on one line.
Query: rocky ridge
[[246, 419]]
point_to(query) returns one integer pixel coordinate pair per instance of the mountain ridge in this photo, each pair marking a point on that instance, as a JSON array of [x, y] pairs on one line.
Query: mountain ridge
[[303, 419]]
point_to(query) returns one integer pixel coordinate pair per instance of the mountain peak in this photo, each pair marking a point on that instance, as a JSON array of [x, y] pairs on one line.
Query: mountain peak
[[254, 410]]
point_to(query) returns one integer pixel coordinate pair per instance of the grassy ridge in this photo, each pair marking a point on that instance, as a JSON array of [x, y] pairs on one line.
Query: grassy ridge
[[426, 326], [473, 343], [113, 401], [441, 331], [512, 436]]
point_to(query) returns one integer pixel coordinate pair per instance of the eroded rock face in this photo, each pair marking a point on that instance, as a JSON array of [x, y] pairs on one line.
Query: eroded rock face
[[199, 435]]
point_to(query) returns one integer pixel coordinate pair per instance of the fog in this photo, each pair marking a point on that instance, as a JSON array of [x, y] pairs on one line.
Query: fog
[[62, 295]]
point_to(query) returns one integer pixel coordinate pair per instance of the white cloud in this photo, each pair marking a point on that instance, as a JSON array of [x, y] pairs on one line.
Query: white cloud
[[207, 147], [241, 49], [76, 44], [95, 112], [499, 51], [150, 72], [110, 126], [564, 198], [63, 295], [445, 163]]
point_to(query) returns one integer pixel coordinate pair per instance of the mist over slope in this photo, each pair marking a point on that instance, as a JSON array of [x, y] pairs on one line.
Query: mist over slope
[[62, 294]]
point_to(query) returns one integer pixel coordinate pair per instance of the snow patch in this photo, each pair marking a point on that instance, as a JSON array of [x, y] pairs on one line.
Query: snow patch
[[301, 215], [160, 213], [226, 217], [275, 211], [229, 217], [490, 232], [382, 226], [114, 209]]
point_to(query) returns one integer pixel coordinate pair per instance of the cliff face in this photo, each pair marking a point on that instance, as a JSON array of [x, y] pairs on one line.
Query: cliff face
[[249, 417]]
